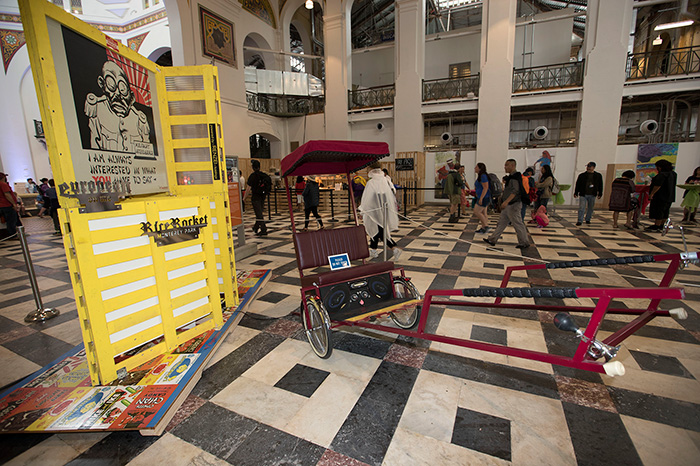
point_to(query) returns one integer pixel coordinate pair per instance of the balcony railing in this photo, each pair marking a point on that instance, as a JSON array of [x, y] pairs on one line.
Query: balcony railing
[[670, 62], [548, 77], [284, 105], [451, 88], [380, 96]]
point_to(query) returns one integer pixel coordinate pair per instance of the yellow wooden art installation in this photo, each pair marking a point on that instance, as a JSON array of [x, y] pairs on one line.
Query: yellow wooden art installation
[[137, 154]]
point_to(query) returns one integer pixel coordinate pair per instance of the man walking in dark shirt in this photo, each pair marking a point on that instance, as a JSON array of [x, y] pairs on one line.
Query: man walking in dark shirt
[[510, 208], [589, 186], [259, 186]]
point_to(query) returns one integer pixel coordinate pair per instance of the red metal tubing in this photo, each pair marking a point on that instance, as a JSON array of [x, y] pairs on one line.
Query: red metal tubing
[[543, 307], [478, 345], [631, 293]]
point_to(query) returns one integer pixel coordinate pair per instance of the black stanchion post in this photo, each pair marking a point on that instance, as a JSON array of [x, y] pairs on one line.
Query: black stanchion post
[[332, 209], [269, 213], [349, 207], [276, 213], [405, 199], [41, 313]]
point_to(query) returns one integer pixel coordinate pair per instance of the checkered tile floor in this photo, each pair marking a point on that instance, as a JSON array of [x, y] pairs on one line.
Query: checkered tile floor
[[267, 399]]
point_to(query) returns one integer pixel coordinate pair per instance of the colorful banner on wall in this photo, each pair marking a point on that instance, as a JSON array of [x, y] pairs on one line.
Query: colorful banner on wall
[[10, 42], [649, 154]]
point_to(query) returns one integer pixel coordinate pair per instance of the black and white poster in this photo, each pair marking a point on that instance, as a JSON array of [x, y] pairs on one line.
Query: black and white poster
[[111, 114]]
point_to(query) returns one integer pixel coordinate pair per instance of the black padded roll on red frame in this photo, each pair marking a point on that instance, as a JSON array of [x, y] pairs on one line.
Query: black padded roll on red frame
[[520, 292], [606, 261]]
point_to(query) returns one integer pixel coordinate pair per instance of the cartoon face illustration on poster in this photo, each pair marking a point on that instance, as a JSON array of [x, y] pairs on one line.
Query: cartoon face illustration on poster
[[115, 124], [112, 96]]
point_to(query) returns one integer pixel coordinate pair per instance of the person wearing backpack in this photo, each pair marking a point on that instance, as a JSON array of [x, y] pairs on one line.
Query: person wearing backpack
[[513, 197], [496, 188], [530, 189], [260, 185], [358, 186], [483, 196], [453, 189]]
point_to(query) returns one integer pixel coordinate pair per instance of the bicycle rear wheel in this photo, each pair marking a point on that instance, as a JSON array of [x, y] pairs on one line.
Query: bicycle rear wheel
[[317, 326]]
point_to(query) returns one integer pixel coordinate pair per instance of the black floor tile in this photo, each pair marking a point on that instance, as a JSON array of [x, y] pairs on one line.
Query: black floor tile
[[40, 348], [261, 262], [215, 430], [302, 380], [599, 437], [491, 265], [496, 336], [583, 273], [12, 445], [453, 263], [117, 448], [500, 375], [269, 446], [285, 280], [273, 297], [15, 289], [358, 344], [217, 377], [662, 364], [482, 432], [674, 413], [391, 384], [255, 321], [367, 431]]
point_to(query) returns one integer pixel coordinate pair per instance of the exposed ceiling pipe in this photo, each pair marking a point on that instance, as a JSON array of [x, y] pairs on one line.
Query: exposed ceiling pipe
[[313, 31], [438, 15], [651, 2], [684, 10]]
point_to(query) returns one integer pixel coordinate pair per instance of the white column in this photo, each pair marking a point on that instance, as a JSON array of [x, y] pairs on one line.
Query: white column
[[338, 48], [497, 48], [182, 27], [409, 56], [607, 36], [15, 149]]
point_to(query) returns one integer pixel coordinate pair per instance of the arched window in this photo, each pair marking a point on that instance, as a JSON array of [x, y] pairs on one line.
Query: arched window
[[259, 147], [166, 59], [296, 46]]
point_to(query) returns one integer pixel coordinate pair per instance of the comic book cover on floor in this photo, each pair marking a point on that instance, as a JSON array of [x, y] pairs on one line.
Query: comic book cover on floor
[[60, 397]]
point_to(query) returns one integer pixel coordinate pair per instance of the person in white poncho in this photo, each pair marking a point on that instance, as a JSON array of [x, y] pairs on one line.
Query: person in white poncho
[[376, 193]]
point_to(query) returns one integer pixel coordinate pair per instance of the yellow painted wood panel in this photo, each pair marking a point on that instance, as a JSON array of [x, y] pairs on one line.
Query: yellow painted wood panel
[[133, 319]]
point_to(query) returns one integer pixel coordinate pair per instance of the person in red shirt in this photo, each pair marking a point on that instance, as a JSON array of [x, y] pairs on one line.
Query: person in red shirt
[[8, 205]]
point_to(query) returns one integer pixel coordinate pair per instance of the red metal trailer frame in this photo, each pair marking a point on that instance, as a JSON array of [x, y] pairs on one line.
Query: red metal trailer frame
[[332, 157]]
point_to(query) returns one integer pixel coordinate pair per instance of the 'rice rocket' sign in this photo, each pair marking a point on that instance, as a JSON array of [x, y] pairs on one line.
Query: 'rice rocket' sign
[[176, 230]]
